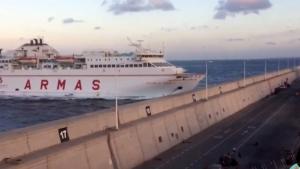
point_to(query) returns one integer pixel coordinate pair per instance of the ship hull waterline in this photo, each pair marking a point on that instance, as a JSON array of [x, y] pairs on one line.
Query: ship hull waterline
[[95, 86]]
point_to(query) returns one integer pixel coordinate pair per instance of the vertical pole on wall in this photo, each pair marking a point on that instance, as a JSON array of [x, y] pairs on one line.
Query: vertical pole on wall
[[117, 114], [288, 63], [294, 63], [116, 104], [266, 68], [244, 73], [278, 65], [206, 80]]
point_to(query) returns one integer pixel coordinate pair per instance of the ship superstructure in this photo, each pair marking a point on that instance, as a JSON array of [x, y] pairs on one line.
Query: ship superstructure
[[37, 70]]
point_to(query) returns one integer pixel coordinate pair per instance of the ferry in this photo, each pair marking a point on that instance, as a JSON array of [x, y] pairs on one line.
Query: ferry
[[36, 69]]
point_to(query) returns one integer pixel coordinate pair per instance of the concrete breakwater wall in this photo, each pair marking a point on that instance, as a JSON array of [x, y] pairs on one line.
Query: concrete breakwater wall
[[141, 137]]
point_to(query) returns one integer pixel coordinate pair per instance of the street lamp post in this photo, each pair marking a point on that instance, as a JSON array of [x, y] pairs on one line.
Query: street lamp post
[[244, 73], [294, 63], [116, 103], [266, 68], [278, 65]]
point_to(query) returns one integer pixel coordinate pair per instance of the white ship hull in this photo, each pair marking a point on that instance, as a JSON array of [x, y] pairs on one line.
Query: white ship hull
[[37, 70], [95, 86]]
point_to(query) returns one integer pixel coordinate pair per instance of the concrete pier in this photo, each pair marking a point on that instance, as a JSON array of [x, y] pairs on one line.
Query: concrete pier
[[262, 134], [147, 129]]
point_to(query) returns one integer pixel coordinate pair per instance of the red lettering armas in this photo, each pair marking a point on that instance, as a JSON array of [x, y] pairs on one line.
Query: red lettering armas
[[44, 84], [96, 85]]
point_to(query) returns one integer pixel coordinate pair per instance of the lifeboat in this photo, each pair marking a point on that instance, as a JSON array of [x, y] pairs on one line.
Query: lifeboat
[[65, 59], [27, 60]]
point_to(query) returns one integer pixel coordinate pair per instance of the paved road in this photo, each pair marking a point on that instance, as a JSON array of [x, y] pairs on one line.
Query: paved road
[[261, 133]]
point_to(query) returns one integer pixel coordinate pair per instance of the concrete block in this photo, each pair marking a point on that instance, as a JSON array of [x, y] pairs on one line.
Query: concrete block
[[126, 147], [200, 94], [252, 95], [242, 98], [36, 163], [231, 102], [224, 104], [259, 78], [213, 91], [210, 112], [160, 134], [74, 157], [13, 144], [128, 113], [202, 116], [98, 153], [147, 140], [172, 129], [182, 125], [254, 92], [191, 119], [82, 126], [37, 141], [223, 107], [237, 97], [217, 109], [229, 87], [177, 102], [105, 120]]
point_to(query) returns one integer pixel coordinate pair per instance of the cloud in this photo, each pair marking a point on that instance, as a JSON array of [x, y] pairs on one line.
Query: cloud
[[50, 19], [125, 6], [202, 27], [104, 2], [71, 20], [235, 39], [231, 7], [97, 28], [168, 29], [292, 31], [271, 43]]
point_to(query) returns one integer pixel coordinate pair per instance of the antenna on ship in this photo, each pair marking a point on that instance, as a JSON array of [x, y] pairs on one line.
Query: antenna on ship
[[137, 44]]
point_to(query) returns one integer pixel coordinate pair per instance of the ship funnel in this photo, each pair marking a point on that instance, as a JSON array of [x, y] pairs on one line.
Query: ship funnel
[[36, 42], [41, 41]]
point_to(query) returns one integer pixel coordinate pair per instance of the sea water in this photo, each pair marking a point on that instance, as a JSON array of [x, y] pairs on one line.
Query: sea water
[[18, 113]]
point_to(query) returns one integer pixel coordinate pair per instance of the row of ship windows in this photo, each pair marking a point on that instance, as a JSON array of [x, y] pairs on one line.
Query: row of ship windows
[[5, 61], [122, 66], [121, 59]]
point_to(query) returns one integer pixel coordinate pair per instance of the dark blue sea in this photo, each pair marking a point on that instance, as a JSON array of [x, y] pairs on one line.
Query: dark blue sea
[[18, 113]]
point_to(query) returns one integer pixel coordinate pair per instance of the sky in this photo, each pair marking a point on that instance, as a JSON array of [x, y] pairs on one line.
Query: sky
[[185, 29]]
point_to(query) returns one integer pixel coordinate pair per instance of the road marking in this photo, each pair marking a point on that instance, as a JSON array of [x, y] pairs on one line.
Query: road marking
[[245, 132], [218, 137], [263, 125], [219, 144], [227, 131], [251, 127]]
